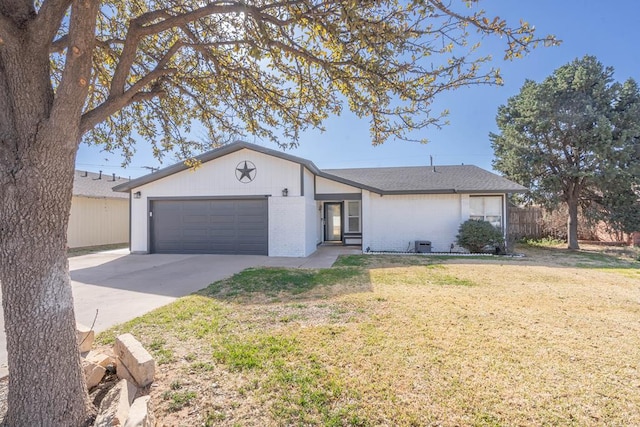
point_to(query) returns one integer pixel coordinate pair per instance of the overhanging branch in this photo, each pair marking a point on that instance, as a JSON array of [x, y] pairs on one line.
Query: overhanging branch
[[50, 17], [114, 104]]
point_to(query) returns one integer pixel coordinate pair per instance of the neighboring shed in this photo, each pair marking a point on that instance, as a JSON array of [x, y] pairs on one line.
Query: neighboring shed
[[99, 216]]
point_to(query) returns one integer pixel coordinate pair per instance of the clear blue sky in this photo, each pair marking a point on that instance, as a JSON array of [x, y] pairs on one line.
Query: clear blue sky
[[607, 30]]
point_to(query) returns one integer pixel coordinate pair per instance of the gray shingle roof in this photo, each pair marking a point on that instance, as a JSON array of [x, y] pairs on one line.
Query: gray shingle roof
[[89, 184], [428, 179], [396, 180]]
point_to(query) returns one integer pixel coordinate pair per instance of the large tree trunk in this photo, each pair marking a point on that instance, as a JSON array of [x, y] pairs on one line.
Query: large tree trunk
[[572, 224], [37, 298], [37, 153]]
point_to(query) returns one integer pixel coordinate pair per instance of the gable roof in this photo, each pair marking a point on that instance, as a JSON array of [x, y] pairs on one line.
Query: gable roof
[[429, 179], [212, 155], [386, 180], [89, 184]]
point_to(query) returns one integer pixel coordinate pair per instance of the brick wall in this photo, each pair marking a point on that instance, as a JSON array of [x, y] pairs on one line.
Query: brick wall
[[394, 223], [287, 228]]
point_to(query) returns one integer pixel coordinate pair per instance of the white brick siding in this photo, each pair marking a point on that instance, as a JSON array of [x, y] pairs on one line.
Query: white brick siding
[[394, 223], [287, 230]]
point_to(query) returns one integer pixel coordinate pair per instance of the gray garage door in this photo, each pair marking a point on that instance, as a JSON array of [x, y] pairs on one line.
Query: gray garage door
[[237, 226]]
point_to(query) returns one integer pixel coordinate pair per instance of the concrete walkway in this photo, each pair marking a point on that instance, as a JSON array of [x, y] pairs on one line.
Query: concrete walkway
[[113, 286]]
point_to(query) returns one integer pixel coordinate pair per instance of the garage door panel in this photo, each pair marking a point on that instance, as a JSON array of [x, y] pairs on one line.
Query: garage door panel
[[222, 234], [170, 234], [247, 235], [250, 218], [195, 234], [194, 219], [222, 220], [251, 227], [210, 226]]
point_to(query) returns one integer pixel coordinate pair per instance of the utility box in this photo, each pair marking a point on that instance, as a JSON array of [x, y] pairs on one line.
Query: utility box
[[423, 246]]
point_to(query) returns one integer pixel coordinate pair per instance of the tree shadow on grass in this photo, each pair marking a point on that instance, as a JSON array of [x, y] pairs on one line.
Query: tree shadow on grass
[[277, 284]]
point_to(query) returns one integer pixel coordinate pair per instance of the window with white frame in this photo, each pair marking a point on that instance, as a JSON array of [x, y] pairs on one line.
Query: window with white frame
[[353, 216], [486, 208]]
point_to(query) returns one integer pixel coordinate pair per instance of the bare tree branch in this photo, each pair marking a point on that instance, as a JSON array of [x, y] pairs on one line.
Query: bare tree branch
[[50, 17], [114, 104], [59, 45], [74, 85]]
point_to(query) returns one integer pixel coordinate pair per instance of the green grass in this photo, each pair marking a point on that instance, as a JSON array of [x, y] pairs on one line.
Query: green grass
[[372, 261], [179, 399], [274, 282], [161, 354], [405, 341], [252, 352], [191, 316], [544, 242], [425, 276], [585, 259], [93, 249]]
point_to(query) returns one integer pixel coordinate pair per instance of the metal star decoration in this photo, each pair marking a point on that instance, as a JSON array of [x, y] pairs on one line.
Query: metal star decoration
[[246, 173]]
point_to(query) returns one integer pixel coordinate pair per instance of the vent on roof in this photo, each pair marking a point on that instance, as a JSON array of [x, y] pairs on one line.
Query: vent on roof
[[99, 176]]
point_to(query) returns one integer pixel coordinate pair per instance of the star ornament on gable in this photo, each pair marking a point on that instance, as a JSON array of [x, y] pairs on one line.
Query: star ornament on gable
[[245, 171]]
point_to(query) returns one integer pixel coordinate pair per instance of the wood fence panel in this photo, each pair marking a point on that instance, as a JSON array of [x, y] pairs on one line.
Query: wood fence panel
[[525, 223]]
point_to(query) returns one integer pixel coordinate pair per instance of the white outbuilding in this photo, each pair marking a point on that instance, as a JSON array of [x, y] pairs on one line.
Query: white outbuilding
[[98, 215]]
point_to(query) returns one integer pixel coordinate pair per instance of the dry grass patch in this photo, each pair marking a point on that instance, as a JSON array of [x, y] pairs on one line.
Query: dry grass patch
[[414, 342]]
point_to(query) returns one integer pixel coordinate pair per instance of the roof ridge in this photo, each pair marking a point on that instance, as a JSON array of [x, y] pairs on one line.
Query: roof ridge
[[403, 167]]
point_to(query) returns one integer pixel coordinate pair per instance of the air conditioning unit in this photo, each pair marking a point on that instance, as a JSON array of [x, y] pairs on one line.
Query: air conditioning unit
[[423, 246]]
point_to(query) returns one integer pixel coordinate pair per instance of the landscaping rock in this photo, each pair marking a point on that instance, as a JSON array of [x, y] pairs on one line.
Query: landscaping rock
[[139, 364], [123, 373], [85, 337], [93, 373], [101, 359], [140, 414], [114, 408]]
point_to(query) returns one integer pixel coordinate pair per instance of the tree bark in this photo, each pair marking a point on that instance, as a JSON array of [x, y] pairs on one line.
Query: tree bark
[[37, 157], [572, 224], [37, 298]]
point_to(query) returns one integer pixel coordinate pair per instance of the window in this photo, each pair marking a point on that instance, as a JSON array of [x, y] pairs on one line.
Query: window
[[486, 208], [353, 216]]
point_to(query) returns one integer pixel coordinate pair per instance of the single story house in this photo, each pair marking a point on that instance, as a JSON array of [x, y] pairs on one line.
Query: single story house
[[99, 216], [247, 199]]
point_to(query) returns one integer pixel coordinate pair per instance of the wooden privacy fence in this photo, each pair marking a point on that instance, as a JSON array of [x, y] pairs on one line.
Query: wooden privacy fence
[[526, 222]]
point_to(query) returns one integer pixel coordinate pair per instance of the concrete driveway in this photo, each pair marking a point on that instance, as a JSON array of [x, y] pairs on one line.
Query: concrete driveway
[[120, 287]]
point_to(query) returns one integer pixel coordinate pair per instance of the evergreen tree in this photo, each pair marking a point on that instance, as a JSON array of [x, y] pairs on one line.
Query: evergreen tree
[[574, 139]]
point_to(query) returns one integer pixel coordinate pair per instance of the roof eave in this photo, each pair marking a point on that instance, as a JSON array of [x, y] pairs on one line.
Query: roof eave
[[447, 191], [212, 155]]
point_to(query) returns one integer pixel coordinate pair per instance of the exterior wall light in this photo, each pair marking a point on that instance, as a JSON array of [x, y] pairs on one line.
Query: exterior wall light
[[137, 195], [285, 192]]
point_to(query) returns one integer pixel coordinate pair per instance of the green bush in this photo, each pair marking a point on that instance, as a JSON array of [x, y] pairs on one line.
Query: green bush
[[475, 236]]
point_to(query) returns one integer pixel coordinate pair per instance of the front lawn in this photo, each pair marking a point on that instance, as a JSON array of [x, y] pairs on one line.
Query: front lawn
[[550, 339]]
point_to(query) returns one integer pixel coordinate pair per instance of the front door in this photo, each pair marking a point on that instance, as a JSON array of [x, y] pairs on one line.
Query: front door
[[333, 222]]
